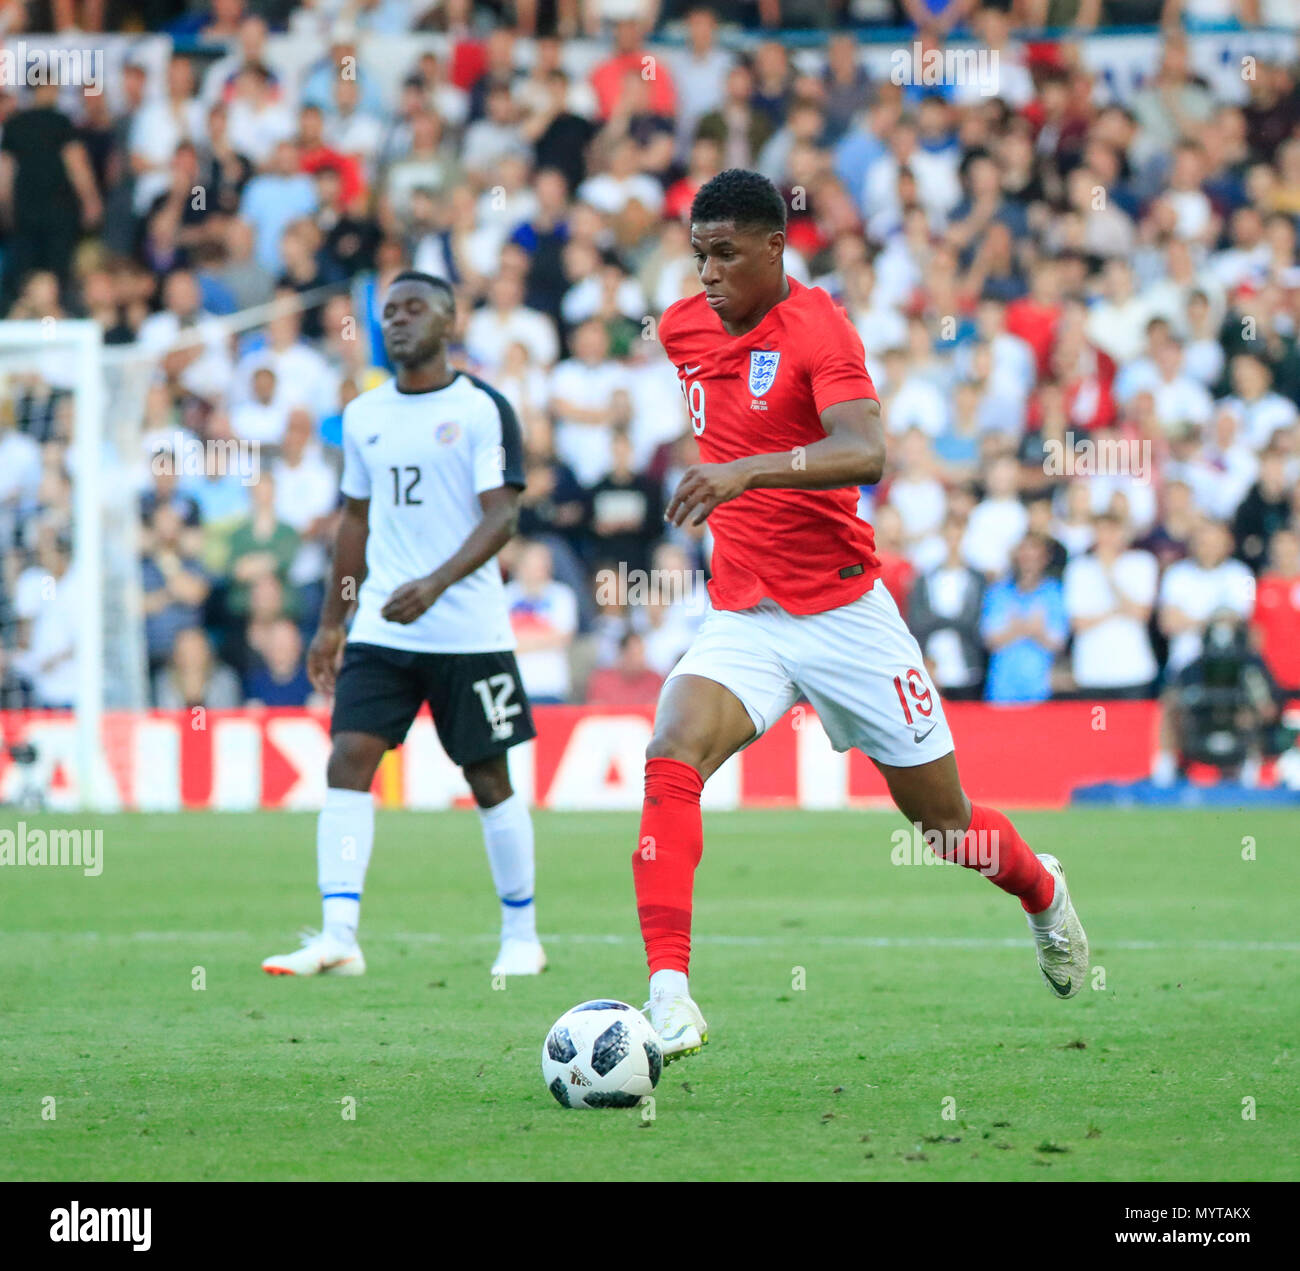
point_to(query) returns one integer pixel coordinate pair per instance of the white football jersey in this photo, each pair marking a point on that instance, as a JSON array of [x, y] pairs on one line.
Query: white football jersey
[[422, 459]]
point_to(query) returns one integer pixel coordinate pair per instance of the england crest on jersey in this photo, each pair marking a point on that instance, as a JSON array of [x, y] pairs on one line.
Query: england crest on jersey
[[762, 371]]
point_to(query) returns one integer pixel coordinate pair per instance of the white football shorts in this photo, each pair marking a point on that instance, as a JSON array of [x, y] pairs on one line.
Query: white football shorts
[[859, 667]]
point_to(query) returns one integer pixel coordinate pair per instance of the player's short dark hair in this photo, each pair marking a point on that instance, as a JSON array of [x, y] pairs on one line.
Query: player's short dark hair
[[747, 198], [429, 280]]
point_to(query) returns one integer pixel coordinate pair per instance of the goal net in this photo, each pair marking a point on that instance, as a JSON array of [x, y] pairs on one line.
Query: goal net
[[83, 421], [69, 534]]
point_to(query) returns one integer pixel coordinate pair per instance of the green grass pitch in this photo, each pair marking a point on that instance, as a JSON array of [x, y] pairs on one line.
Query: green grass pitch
[[868, 1020]]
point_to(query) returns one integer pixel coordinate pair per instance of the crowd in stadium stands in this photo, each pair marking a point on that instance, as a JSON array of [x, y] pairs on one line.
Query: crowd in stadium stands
[[1081, 314]]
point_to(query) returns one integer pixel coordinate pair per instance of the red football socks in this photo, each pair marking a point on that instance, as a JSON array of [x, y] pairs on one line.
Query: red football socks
[[672, 842], [663, 865], [993, 846]]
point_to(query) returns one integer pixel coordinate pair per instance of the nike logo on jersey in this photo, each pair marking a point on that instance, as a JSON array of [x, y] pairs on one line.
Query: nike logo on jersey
[[370, 441], [919, 737], [690, 370]]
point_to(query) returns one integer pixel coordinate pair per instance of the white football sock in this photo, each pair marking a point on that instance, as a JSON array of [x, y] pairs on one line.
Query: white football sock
[[345, 833], [1164, 772], [508, 837], [1048, 918], [669, 984]]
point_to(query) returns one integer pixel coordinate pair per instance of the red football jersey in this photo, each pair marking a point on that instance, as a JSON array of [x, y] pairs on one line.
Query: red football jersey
[[761, 393], [1277, 618]]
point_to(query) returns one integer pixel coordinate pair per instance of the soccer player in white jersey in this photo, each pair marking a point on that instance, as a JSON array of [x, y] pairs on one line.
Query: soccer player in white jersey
[[432, 471]]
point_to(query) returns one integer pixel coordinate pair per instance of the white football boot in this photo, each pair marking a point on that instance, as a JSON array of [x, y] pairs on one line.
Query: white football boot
[[319, 955], [519, 957], [679, 1023], [1062, 944]]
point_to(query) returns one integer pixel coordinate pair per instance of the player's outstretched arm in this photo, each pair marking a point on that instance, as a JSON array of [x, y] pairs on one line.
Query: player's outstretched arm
[[500, 518], [851, 453], [348, 571]]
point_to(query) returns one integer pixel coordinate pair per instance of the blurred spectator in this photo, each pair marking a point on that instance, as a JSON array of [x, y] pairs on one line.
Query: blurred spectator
[[175, 584], [1170, 538], [261, 546], [736, 126], [1277, 609], [1024, 625], [1264, 511], [505, 320], [1261, 410], [1042, 523], [193, 677], [1109, 597], [847, 85], [630, 61], [609, 192], [944, 612], [552, 506], [544, 236], [222, 491], [48, 605], [998, 523], [559, 136], [430, 163], [280, 194], [588, 399], [47, 189], [20, 474], [544, 616], [1194, 589], [282, 678], [238, 273], [341, 63], [629, 682], [166, 491], [699, 72], [245, 645], [160, 126], [918, 496], [193, 345], [302, 375], [259, 120], [261, 418], [626, 510], [897, 573], [306, 499], [495, 137]]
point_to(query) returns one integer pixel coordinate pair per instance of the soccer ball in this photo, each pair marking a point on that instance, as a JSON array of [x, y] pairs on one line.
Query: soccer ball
[[602, 1054]]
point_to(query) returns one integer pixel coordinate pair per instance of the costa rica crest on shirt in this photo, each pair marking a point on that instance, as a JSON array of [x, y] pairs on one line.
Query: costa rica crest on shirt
[[762, 370]]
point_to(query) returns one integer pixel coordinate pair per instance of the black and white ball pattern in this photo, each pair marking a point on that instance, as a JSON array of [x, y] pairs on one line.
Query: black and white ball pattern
[[601, 1054]]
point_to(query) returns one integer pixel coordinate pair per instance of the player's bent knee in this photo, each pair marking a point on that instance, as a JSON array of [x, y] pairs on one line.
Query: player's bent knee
[[353, 761], [489, 782], [684, 749], [947, 816]]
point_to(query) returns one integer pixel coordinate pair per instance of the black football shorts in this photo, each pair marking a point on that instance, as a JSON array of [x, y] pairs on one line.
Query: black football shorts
[[477, 701]]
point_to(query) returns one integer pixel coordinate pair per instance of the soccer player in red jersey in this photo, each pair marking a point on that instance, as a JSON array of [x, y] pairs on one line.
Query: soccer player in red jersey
[[789, 426]]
